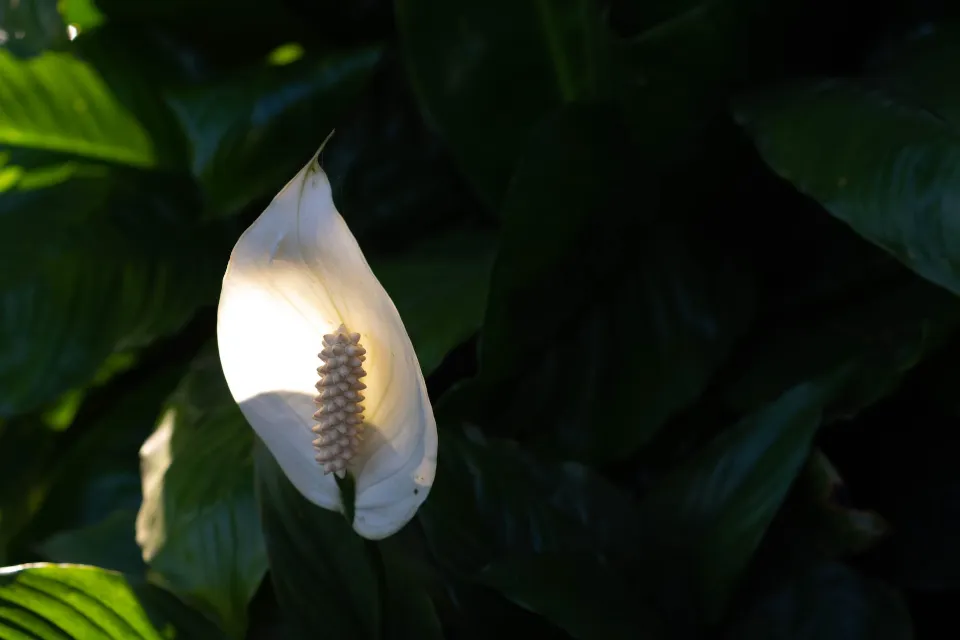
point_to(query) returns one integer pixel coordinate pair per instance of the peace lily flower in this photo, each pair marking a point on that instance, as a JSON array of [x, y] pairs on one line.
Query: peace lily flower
[[316, 355]]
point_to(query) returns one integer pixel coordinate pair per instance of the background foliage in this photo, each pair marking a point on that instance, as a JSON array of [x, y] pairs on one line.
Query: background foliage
[[682, 276]]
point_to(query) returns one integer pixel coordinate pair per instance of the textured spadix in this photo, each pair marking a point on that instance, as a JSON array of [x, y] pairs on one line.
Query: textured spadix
[[295, 275]]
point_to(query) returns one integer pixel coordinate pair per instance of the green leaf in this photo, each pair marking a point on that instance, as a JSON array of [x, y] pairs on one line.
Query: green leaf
[[440, 289], [706, 518], [886, 167], [650, 309], [198, 525], [322, 571], [581, 596], [83, 14], [30, 27], [109, 544], [265, 122], [827, 602], [491, 498], [465, 56], [63, 601], [111, 264], [56, 102]]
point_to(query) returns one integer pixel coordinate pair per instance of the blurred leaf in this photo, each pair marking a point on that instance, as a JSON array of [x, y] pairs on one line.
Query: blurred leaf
[[251, 132], [109, 544], [94, 471], [198, 525], [57, 102], [827, 602], [408, 609], [884, 327], [29, 27], [665, 307], [440, 289], [83, 14], [466, 57], [71, 601], [321, 570], [883, 166], [86, 272], [919, 66], [25, 448], [706, 518], [579, 595], [491, 497], [392, 177]]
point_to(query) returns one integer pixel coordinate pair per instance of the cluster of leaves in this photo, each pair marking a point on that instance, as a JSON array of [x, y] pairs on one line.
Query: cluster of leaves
[[671, 268]]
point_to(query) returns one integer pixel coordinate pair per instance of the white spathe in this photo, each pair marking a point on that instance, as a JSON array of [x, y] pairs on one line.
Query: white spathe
[[296, 274]]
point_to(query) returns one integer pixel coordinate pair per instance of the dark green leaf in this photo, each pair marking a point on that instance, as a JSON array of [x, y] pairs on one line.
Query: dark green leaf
[[665, 307], [321, 570], [884, 327], [920, 67], [887, 168], [109, 264], [491, 497], [250, 133], [705, 519], [827, 602], [440, 289], [109, 544], [581, 596], [198, 525], [392, 176], [466, 57], [62, 601]]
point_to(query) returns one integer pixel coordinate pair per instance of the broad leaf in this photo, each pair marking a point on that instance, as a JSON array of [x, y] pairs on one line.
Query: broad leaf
[[886, 167], [109, 544], [706, 518], [57, 102], [440, 289], [250, 132], [648, 308], [465, 57], [198, 525], [827, 602], [322, 572], [492, 498], [581, 596], [70, 601]]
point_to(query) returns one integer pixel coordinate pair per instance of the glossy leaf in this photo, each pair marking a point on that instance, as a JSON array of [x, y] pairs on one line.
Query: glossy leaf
[[321, 570], [101, 270], [56, 601], [883, 165], [56, 102], [466, 57], [584, 598], [827, 602], [706, 518], [440, 289], [240, 125], [491, 497], [199, 530]]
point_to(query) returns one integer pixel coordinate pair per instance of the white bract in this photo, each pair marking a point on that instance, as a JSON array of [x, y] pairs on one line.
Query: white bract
[[296, 275]]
